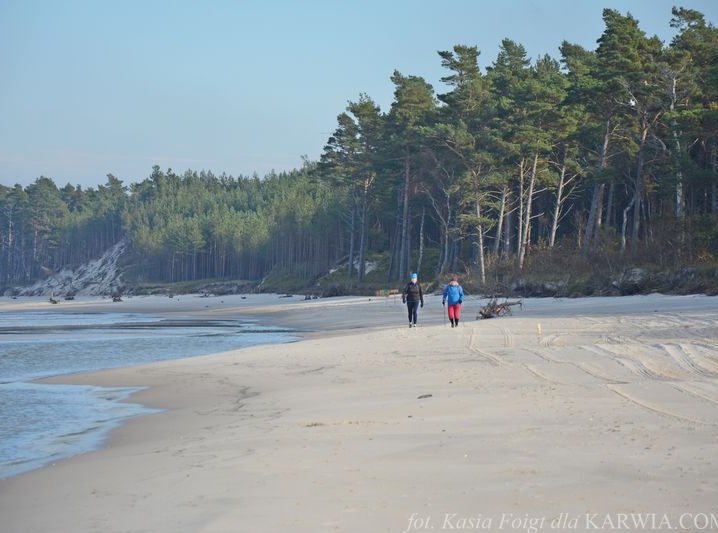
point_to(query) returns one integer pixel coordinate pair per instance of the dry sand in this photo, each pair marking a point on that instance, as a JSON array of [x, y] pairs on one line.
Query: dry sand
[[574, 415]]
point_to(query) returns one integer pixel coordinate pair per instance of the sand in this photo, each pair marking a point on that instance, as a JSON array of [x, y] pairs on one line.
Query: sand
[[574, 415]]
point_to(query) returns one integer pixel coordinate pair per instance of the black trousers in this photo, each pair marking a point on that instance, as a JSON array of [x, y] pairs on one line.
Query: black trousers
[[413, 308]]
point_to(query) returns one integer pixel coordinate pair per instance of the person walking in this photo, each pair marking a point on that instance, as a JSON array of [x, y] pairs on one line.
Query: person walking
[[453, 295], [413, 297]]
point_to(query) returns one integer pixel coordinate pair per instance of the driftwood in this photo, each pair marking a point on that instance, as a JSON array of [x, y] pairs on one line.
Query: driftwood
[[495, 309]]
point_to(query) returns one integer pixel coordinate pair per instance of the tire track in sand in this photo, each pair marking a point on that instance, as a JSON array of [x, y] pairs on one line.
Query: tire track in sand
[[491, 358], [669, 401], [691, 361]]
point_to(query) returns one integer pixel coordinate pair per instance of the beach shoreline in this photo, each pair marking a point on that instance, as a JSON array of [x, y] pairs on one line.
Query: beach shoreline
[[566, 408]]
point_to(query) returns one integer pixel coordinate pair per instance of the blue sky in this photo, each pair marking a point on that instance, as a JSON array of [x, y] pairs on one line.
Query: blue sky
[[92, 87]]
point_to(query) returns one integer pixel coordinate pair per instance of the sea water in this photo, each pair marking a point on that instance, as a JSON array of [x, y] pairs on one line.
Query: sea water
[[41, 423]]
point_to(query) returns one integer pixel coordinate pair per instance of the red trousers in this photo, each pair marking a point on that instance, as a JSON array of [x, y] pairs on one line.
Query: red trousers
[[454, 311]]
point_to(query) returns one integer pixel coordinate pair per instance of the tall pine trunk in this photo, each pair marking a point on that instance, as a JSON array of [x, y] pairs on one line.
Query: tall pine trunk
[[363, 236], [647, 122], [593, 225], [559, 203], [523, 245], [500, 220], [480, 229], [352, 222], [404, 245], [421, 240]]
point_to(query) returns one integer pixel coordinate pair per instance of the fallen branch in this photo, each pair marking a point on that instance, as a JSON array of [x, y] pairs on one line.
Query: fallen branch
[[495, 309]]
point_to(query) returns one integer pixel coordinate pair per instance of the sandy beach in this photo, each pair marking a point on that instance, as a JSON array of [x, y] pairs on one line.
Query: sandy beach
[[573, 415]]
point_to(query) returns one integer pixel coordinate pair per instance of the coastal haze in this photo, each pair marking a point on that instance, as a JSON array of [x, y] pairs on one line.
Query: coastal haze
[[569, 414]]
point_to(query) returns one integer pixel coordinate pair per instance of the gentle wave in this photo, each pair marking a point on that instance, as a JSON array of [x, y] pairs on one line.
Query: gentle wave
[[41, 423]]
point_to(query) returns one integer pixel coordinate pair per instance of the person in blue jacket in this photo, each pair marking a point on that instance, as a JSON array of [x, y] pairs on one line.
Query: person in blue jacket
[[454, 296]]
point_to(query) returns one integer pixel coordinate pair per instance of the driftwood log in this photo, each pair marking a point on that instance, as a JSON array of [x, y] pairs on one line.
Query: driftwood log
[[494, 308]]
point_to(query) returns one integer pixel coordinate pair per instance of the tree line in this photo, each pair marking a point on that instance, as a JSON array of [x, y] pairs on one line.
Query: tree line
[[612, 150]]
